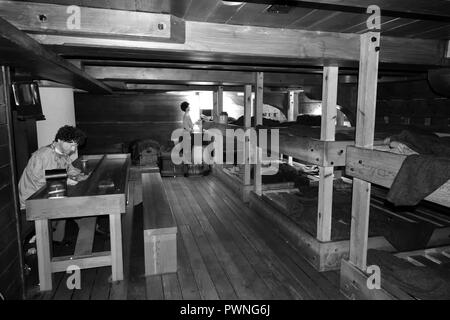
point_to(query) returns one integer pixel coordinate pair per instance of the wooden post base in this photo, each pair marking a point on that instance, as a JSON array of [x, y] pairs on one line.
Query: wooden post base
[[354, 284]]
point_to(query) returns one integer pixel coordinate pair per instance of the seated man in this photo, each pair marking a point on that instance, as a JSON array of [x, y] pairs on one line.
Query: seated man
[[54, 156]]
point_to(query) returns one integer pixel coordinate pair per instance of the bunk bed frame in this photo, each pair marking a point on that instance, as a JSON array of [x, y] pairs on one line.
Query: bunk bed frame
[[235, 183], [323, 253], [319, 250], [240, 184], [368, 166]]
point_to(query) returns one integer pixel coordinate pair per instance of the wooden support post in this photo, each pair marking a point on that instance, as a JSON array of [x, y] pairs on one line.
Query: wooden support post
[[258, 121], [327, 131], [44, 254], [217, 103], [365, 124], [219, 100], [215, 114], [290, 114], [115, 226], [247, 124], [217, 110]]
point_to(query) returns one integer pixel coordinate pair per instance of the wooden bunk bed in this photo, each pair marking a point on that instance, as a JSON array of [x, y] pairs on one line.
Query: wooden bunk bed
[[226, 172], [403, 275], [380, 168], [314, 240]]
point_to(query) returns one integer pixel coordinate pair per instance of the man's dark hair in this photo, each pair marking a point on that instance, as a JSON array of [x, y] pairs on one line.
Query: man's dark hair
[[184, 105], [70, 134]]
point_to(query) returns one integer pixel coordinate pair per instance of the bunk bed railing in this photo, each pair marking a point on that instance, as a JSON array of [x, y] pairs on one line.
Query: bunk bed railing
[[381, 167], [314, 151]]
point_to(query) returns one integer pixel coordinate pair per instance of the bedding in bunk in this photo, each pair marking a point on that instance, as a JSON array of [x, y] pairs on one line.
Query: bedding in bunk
[[426, 168], [401, 227], [425, 283]]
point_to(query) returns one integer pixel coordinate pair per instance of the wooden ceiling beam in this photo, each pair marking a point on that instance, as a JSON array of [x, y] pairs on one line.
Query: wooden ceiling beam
[[17, 49], [204, 66], [236, 67], [434, 10], [127, 86], [93, 22], [198, 77], [208, 42], [217, 42]]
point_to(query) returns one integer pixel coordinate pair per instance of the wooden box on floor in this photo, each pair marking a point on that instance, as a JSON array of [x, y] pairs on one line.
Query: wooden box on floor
[[160, 230]]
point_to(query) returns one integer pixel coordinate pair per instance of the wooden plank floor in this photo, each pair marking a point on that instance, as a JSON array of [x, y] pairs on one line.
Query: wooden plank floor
[[225, 251]]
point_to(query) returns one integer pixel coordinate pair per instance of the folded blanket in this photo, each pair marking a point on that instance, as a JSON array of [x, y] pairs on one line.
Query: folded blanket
[[422, 174], [419, 176], [424, 143]]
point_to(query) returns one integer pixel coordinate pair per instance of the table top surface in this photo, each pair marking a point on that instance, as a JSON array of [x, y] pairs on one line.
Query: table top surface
[[107, 175]]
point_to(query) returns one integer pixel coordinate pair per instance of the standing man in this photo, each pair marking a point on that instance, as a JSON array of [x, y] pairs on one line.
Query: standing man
[[187, 121], [54, 156]]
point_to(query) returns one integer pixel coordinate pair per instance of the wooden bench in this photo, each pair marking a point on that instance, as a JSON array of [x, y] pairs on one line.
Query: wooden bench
[[160, 230]]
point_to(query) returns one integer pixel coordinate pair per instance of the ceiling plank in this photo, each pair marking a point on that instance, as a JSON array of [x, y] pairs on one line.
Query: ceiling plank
[[19, 50], [415, 27], [160, 6], [200, 9], [437, 10], [198, 77], [343, 20], [256, 14], [223, 13]]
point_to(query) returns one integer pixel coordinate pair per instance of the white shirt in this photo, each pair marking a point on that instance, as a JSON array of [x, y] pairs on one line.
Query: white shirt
[[187, 122]]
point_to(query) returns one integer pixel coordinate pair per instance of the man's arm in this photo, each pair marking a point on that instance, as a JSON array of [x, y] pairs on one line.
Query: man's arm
[[75, 174]]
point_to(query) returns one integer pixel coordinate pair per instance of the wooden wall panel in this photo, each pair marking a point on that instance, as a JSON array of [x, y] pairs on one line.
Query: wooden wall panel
[[413, 103], [6, 215], [11, 281], [3, 135], [145, 107], [5, 196], [400, 102], [112, 120], [2, 113], [9, 254], [5, 176], [4, 155]]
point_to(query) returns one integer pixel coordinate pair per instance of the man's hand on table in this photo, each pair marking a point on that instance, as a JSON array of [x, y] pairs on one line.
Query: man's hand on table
[[73, 180]]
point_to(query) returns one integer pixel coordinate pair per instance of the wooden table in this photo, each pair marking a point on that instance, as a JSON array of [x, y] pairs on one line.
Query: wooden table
[[89, 198]]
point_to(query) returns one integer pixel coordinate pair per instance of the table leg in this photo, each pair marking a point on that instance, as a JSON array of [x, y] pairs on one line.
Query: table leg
[[58, 234], [44, 255], [115, 226]]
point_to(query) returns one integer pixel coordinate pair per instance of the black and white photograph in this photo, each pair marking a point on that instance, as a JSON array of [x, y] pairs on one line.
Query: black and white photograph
[[221, 159]]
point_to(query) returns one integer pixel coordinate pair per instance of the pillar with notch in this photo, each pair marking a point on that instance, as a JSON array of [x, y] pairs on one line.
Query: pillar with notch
[[292, 112], [247, 125], [259, 84], [327, 132], [365, 125], [217, 103]]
